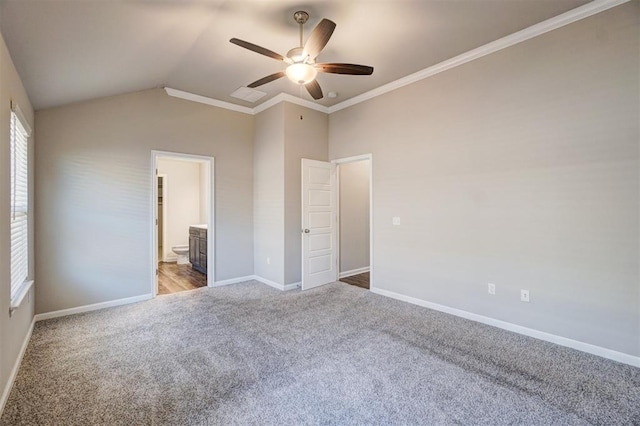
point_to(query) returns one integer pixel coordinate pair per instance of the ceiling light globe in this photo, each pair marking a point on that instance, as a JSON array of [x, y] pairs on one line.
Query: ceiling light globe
[[301, 73]]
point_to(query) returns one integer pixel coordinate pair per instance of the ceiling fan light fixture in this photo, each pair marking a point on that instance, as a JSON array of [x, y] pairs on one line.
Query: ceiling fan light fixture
[[301, 73]]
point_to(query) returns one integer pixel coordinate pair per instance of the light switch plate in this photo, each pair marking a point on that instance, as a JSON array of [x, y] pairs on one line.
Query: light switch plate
[[396, 221]]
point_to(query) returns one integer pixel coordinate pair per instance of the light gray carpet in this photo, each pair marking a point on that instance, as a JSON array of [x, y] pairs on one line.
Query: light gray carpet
[[249, 354]]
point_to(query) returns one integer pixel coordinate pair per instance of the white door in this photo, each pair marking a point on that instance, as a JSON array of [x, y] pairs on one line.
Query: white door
[[319, 250]]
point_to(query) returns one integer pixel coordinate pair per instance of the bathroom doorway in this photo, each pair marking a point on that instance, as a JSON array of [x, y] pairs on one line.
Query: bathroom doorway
[[355, 192], [183, 218]]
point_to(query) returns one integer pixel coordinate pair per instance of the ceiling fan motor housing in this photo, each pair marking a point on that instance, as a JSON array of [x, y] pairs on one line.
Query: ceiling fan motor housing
[[302, 68]]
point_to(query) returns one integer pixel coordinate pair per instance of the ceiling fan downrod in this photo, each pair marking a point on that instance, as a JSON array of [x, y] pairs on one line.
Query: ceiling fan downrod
[[301, 17]]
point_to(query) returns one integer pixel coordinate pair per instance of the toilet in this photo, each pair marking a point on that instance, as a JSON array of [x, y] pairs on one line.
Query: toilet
[[183, 254]]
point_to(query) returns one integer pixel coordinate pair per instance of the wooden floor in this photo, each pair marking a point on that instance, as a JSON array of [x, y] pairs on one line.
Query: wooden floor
[[360, 280], [173, 278]]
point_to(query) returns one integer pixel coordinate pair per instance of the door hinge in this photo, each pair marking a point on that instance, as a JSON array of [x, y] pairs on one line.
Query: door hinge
[[156, 271], [156, 222]]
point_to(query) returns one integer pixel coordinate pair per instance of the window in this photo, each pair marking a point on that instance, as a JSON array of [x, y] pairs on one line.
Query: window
[[19, 135]]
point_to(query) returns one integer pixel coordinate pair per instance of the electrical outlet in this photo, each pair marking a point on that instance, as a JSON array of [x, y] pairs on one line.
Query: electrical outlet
[[396, 221], [492, 288], [524, 296], [268, 261]]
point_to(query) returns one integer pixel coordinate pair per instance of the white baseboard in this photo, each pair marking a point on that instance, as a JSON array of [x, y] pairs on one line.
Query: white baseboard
[[282, 287], [353, 272], [16, 366], [233, 281], [93, 307], [559, 340], [292, 286]]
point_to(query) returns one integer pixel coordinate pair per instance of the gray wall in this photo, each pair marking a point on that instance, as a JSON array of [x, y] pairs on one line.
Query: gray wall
[[281, 140], [354, 215], [268, 194], [521, 169], [304, 138], [93, 188], [13, 330]]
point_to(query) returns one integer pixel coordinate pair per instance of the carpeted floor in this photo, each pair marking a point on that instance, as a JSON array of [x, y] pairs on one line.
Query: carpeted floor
[[249, 354]]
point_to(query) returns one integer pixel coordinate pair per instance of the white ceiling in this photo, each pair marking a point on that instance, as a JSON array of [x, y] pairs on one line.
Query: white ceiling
[[74, 50]]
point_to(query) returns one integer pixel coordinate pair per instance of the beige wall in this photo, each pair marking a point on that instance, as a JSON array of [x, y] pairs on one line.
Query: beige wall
[[93, 188], [13, 330], [306, 136], [281, 140], [521, 169], [183, 193], [268, 195], [354, 215]]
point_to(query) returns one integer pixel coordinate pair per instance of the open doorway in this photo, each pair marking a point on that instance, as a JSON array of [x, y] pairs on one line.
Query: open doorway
[[354, 226], [183, 218]]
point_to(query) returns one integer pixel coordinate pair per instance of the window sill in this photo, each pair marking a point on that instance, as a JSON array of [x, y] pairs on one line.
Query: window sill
[[18, 298]]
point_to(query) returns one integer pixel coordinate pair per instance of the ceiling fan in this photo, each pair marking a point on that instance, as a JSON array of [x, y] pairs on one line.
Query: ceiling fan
[[302, 68]]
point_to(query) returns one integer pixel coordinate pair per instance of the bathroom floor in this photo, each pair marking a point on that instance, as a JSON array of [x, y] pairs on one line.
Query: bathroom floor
[[173, 278]]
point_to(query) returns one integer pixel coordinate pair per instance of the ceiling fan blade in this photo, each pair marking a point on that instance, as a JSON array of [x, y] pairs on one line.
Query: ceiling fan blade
[[319, 38], [267, 79], [314, 89], [257, 49], [352, 69]]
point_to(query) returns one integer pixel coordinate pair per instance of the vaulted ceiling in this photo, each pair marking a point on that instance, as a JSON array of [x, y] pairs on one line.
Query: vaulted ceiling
[[75, 50]]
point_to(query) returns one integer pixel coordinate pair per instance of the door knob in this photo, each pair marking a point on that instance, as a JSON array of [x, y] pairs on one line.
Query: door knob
[[306, 231]]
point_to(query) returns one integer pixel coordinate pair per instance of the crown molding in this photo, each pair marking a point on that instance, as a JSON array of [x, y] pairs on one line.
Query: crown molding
[[285, 97], [584, 11], [204, 100]]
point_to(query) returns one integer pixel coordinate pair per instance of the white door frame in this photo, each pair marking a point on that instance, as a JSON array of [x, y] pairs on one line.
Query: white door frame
[[355, 159], [155, 155]]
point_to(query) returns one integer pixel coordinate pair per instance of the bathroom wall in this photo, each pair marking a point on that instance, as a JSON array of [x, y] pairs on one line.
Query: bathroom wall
[[203, 169], [183, 201]]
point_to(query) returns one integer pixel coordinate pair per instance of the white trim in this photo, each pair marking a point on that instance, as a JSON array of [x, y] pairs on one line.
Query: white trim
[[23, 120], [17, 298], [285, 97], [282, 287], [581, 12], [292, 286], [540, 28], [16, 367], [353, 272], [353, 159], [93, 307], [234, 281], [548, 337], [205, 100]]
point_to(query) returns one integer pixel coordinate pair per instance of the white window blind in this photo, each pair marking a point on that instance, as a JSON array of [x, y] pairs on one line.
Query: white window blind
[[19, 204]]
